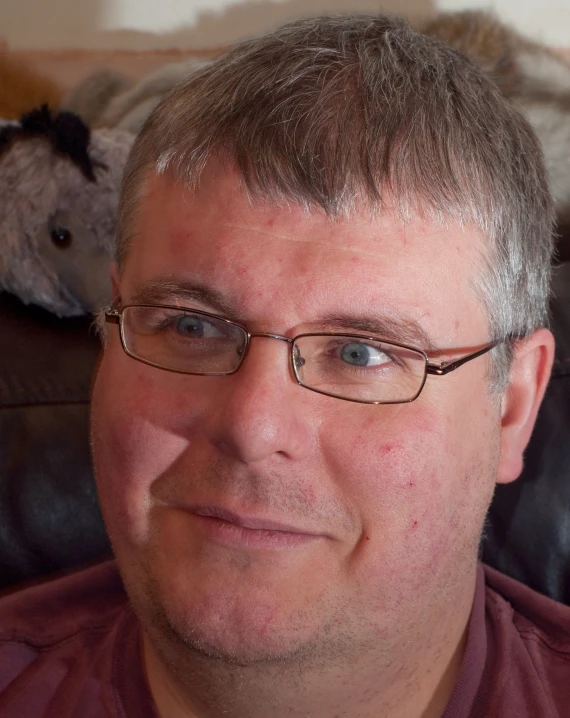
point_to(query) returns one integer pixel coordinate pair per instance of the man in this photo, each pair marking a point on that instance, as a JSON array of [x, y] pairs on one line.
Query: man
[[327, 345]]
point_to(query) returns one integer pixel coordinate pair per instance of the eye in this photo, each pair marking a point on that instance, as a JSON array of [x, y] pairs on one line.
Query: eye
[[359, 354], [61, 237], [195, 327]]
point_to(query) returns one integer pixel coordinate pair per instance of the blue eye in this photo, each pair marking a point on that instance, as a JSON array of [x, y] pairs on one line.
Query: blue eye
[[190, 326], [195, 327], [359, 354]]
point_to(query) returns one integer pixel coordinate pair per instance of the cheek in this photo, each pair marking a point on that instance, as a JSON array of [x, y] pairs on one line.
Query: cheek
[[394, 449], [420, 481], [134, 440]]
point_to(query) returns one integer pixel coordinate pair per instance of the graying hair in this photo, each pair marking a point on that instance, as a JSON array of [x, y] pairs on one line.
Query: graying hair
[[348, 111]]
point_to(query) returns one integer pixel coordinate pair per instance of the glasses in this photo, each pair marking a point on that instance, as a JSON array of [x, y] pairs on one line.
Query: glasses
[[352, 367]]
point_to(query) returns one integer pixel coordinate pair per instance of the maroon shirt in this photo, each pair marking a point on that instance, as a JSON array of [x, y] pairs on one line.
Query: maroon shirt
[[71, 647]]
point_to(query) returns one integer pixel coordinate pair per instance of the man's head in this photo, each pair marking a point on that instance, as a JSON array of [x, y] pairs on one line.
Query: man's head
[[344, 176], [363, 112]]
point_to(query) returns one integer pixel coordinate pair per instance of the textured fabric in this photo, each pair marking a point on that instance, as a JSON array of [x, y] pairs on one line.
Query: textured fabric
[[461, 703], [527, 667], [71, 648]]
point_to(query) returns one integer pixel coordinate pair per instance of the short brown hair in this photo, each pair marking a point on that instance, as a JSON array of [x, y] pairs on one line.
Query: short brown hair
[[334, 111]]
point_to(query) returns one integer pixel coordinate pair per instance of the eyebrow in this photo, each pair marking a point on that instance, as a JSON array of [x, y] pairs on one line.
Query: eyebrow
[[167, 291], [399, 330]]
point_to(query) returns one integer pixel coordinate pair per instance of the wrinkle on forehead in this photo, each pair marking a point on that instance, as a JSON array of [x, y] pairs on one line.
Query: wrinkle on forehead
[[222, 184], [271, 234]]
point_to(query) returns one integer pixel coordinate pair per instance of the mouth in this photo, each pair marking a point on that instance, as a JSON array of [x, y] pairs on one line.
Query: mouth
[[228, 527]]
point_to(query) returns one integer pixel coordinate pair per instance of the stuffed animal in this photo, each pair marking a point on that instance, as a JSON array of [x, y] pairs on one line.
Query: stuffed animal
[[60, 189], [91, 97], [128, 110], [109, 99]]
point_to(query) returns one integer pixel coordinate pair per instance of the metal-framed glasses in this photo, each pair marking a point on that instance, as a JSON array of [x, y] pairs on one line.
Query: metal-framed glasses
[[353, 367]]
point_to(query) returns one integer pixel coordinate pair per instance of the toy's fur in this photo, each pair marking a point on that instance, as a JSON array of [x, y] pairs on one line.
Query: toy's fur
[[46, 196], [92, 96], [129, 110], [100, 100]]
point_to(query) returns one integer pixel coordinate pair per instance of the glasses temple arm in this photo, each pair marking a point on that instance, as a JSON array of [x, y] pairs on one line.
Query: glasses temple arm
[[112, 315], [447, 367]]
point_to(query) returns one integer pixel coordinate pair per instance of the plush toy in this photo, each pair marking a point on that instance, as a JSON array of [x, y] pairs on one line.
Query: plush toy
[[109, 99], [91, 97], [60, 188], [128, 110]]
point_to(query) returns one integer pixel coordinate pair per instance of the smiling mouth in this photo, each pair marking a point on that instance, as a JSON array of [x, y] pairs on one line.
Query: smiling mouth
[[227, 527]]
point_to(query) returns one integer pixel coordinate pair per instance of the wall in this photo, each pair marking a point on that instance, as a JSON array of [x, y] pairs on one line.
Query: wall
[[156, 24]]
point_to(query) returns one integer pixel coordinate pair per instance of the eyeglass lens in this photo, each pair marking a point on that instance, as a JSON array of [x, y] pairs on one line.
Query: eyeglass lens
[[346, 366], [179, 340], [359, 368]]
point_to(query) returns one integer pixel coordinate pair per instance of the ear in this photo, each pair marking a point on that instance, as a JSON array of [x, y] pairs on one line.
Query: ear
[[530, 371], [115, 281]]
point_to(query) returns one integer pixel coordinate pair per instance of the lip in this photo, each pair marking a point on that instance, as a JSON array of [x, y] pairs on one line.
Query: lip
[[228, 527], [247, 522]]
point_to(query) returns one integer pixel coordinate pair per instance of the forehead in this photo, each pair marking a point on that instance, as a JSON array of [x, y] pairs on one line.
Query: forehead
[[289, 259]]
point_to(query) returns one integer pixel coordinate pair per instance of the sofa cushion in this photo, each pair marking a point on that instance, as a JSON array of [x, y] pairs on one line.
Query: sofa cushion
[[49, 515]]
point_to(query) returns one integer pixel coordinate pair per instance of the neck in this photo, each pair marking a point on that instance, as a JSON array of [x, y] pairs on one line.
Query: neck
[[412, 676]]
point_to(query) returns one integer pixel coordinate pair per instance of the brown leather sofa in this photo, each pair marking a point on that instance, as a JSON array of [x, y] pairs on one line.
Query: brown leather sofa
[[49, 517]]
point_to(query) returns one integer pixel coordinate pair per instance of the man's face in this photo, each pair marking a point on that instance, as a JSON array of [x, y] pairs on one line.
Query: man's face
[[382, 506]]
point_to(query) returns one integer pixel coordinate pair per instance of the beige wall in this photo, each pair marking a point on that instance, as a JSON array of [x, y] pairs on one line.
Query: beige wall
[[162, 24], [153, 24]]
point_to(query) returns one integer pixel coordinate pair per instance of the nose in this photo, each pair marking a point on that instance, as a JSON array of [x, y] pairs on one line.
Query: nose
[[260, 411]]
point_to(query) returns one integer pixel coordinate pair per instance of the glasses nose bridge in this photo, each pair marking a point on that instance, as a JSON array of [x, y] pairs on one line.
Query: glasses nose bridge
[[269, 335]]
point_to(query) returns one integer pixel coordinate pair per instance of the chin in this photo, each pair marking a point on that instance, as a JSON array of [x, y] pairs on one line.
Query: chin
[[241, 618], [241, 629], [242, 606]]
